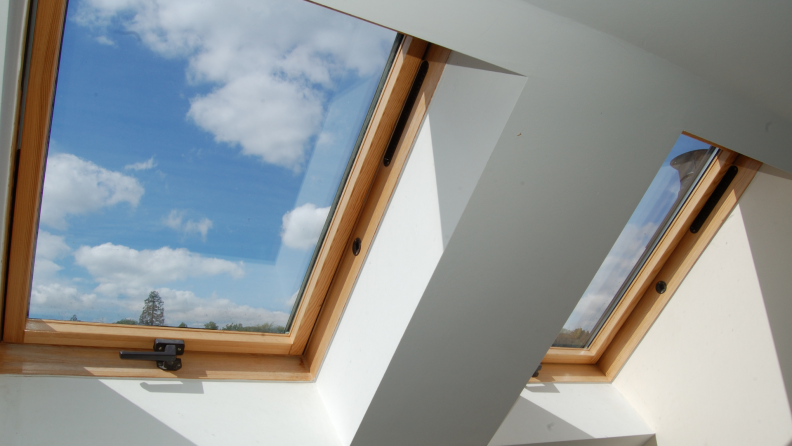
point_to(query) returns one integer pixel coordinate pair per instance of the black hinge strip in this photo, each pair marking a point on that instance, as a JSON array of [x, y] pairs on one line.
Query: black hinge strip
[[408, 106], [713, 199]]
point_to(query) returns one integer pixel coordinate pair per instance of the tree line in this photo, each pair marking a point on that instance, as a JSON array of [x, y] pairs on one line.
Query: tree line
[[572, 338], [153, 314]]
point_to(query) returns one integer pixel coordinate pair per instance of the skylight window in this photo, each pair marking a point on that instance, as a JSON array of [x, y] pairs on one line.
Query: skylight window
[[195, 155], [666, 195]]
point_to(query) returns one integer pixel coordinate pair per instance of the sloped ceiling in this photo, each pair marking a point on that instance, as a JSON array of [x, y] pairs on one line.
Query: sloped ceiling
[[588, 131], [742, 46]]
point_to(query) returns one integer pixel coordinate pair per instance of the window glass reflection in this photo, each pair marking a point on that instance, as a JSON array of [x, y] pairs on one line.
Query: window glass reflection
[[669, 189], [195, 153]]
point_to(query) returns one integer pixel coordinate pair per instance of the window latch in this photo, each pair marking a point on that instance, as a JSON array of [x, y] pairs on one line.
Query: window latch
[[165, 351]]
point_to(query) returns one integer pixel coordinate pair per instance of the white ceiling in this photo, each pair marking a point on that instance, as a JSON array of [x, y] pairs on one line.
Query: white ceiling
[[743, 46]]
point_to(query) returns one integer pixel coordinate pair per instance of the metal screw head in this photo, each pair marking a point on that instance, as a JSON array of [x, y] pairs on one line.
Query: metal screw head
[[356, 246], [661, 287]]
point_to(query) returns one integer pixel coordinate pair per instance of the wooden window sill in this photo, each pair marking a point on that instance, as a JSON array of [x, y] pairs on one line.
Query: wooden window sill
[[30, 359], [89, 334]]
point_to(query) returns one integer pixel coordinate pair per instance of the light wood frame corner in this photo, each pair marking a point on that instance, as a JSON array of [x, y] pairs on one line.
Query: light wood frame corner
[[671, 260], [51, 347]]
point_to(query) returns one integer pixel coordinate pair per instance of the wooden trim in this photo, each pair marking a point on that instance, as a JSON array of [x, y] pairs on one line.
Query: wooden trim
[[26, 359], [570, 373], [680, 250], [90, 349], [19, 53], [645, 276], [565, 355], [41, 76], [90, 334], [664, 249], [674, 272], [371, 217], [355, 193]]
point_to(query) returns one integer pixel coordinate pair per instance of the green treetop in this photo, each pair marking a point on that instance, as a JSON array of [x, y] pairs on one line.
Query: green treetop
[[127, 321], [210, 325], [153, 310]]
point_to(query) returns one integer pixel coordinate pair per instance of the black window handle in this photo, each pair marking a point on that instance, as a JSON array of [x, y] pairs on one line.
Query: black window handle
[[165, 351]]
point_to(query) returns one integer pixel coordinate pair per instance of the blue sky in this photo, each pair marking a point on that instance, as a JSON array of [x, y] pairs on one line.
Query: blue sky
[[656, 203], [195, 150]]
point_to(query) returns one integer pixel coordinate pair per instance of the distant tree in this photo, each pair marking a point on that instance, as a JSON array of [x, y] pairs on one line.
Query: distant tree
[[182, 325], [267, 327], [74, 318], [210, 325], [572, 338], [153, 310], [127, 321]]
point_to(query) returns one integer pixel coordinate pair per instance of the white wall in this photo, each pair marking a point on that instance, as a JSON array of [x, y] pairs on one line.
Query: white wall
[[407, 247], [574, 152], [467, 113], [591, 126], [712, 368], [588, 413], [397, 268], [88, 411]]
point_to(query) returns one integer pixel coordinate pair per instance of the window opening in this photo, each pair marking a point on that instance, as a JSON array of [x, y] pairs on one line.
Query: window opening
[[196, 155], [668, 192]]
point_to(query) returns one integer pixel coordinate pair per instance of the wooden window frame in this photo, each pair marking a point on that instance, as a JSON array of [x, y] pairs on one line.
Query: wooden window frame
[[670, 261], [32, 346]]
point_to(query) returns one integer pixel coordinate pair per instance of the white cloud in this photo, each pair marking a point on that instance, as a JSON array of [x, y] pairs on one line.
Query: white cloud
[[268, 117], [180, 306], [105, 41], [74, 186], [143, 165], [290, 302], [621, 259], [185, 306], [200, 227], [56, 298], [123, 270], [269, 62], [175, 221], [48, 248], [303, 225]]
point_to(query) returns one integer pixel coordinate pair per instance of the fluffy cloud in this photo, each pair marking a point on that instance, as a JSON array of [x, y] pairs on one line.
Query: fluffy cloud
[[105, 41], [48, 248], [123, 270], [290, 301], [271, 63], [61, 299], [303, 225], [175, 220], [185, 306], [180, 306], [268, 117], [621, 259], [74, 186], [143, 165]]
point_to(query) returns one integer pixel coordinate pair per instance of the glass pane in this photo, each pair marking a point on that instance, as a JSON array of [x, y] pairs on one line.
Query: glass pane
[[678, 175], [195, 155]]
